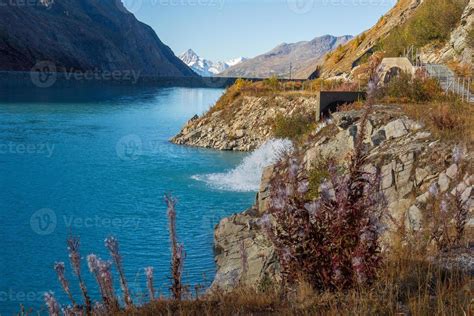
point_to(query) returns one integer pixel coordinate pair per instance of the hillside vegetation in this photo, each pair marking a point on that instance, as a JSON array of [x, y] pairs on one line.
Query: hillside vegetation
[[409, 23], [432, 23]]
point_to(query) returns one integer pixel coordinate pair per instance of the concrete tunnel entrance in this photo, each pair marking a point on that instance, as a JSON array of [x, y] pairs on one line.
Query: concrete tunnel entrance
[[329, 101]]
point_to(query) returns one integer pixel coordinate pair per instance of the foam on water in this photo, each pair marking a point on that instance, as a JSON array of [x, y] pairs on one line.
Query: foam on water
[[246, 176]]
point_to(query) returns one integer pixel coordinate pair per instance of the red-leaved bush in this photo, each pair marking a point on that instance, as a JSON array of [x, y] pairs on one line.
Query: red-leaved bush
[[331, 242]]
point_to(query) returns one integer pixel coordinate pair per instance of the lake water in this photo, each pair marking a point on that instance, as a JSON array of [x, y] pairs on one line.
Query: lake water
[[95, 163]]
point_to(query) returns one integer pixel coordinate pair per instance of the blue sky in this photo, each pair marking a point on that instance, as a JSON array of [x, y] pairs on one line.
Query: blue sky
[[224, 29]]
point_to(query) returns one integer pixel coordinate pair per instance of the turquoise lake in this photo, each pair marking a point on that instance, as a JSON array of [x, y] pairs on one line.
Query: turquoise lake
[[96, 163]]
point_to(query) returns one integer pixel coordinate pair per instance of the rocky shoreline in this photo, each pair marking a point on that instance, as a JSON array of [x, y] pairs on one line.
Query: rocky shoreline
[[411, 160], [409, 156], [244, 125]]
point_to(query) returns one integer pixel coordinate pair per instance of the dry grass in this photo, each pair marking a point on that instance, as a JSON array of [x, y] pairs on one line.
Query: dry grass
[[449, 120], [407, 284]]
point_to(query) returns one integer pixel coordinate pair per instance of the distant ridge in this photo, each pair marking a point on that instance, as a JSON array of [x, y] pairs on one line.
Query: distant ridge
[[277, 62]]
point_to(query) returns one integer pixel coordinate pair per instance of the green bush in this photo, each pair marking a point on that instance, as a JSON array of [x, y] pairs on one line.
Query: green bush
[[272, 83], [413, 88], [470, 37], [292, 127], [317, 174], [432, 22]]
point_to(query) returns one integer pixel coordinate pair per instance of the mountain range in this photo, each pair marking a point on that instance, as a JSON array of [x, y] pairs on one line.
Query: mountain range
[[278, 61], [205, 67], [82, 35]]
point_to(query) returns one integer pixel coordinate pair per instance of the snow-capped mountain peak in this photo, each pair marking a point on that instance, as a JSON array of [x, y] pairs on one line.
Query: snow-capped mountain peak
[[204, 67], [236, 61]]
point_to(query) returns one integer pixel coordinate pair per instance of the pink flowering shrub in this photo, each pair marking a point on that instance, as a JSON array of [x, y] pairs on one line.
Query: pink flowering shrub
[[331, 242], [177, 251], [102, 272]]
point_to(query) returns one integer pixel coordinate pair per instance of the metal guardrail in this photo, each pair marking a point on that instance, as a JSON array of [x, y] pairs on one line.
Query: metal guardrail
[[451, 83]]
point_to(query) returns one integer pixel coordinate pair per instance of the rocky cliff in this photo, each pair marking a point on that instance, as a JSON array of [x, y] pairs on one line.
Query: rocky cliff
[[411, 159], [461, 43], [243, 125], [82, 35]]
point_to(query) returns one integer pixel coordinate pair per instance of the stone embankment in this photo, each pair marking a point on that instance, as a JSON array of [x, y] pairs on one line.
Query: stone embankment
[[243, 125], [411, 160]]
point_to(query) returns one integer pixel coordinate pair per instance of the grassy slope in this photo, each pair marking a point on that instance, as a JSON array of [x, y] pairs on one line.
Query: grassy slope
[[342, 60]]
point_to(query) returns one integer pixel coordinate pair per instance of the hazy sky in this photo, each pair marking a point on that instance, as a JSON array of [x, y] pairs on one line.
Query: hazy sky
[[224, 29]]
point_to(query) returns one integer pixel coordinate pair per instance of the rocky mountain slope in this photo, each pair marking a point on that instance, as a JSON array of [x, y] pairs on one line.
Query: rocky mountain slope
[[246, 126], [276, 62], [83, 35], [461, 43], [205, 67], [351, 52], [411, 161]]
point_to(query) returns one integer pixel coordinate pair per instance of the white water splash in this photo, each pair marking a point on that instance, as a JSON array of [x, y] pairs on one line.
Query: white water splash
[[246, 176]]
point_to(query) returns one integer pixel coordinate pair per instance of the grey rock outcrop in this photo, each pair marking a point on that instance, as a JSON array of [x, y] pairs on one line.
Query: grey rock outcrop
[[459, 46], [244, 125], [411, 160]]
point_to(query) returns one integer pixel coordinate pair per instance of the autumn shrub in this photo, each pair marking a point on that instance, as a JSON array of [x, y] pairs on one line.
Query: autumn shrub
[[338, 54], [358, 40], [332, 85], [317, 174], [272, 83], [292, 126], [470, 37], [331, 242], [242, 84], [412, 88], [444, 119], [461, 70]]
